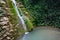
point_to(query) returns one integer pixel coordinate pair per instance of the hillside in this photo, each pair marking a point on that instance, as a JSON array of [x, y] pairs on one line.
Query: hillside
[[10, 28]]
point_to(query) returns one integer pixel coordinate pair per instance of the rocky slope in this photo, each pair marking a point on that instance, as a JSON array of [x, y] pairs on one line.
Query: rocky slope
[[9, 28], [5, 26]]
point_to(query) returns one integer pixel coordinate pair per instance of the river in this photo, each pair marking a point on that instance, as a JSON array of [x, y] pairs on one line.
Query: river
[[42, 34], [21, 20]]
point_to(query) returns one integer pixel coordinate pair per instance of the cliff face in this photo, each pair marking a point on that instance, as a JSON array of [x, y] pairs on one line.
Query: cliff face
[[10, 29]]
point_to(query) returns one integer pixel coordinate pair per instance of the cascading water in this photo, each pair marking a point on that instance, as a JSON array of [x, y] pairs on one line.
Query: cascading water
[[20, 17]]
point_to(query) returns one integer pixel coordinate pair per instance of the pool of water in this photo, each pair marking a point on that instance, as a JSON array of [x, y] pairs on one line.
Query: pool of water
[[42, 34]]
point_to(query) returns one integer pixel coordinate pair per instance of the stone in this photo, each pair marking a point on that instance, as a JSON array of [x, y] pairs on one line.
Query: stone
[[7, 33], [4, 19], [6, 8], [2, 2], [4, 35], [8, 38], [11, 30], [3, 23], [7, 29], [4, 26]]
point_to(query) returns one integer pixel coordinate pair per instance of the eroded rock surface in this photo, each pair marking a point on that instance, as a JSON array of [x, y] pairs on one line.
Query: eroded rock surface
[[5, 27]]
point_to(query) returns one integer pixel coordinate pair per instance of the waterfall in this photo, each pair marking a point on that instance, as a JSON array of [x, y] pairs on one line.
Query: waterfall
[[20, 17]]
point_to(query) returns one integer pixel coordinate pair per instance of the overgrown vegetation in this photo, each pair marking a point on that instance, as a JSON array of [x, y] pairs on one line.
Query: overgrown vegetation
[[13, 12], [44, 12], [18, 30], [28, 24]]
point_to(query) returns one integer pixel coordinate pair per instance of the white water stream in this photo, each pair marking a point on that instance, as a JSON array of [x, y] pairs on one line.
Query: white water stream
[[20, 17]]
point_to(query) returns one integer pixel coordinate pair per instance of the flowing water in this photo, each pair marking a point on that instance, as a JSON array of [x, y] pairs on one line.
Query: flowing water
[[20, 17], [42, 34], [37, 34]]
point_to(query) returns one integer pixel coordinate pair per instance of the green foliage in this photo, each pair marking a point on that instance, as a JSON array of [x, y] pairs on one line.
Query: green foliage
[[44, 12], [11, 7], [27, 20], [17, 29], [28, 24]]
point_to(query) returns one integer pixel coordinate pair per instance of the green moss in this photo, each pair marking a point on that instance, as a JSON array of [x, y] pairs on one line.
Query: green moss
[[28, 24], [27, 21], [13, 18]]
